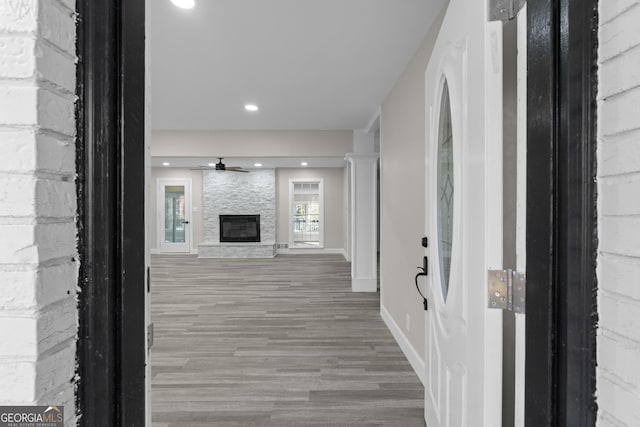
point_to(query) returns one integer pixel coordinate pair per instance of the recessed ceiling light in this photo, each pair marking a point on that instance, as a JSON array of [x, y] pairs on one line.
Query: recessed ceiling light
[[166, 164], [304, 164], [251, 107], [184, 4], [258, 165]]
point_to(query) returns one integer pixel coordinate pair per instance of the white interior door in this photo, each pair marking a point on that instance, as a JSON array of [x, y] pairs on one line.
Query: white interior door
[[174, 214], [464, 219]]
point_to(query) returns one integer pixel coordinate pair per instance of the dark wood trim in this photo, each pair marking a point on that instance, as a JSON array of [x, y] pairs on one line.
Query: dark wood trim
[[111, 190], [577, 210], [541, 188], [561, 214]]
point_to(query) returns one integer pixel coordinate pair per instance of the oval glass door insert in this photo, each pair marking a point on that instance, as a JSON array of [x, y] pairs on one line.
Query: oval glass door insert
[[445, 190]]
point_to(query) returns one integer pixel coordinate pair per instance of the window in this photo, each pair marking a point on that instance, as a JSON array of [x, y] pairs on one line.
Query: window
[[445, 190], [306, 228]]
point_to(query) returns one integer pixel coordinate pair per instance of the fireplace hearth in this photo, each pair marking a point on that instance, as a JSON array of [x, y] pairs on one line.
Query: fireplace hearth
[[239, 228]]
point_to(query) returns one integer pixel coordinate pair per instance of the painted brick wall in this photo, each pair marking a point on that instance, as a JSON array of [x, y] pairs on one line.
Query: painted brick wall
[[38, 269], [232, 193], [619, 214]]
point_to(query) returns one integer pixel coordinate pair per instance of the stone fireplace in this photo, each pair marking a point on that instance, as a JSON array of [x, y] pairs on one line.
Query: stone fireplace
[[239, 214]]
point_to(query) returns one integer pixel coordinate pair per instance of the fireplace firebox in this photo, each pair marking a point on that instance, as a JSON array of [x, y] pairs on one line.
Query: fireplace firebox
[[239, 228]]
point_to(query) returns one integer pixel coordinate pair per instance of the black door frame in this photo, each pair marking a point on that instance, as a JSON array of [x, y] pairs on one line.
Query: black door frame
[[110, 162], [561, 213]]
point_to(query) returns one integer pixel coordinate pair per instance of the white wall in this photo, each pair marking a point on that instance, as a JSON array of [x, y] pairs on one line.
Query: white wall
[[195, 221], [38, 256], [313, 143], [618, 374], [333, 202], [402, 188]]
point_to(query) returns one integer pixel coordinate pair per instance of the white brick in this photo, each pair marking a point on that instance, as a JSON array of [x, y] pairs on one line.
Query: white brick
[[18, 385], [56, 199], [29, 244], [605, 419], [71, 4], [618, 401], [18, 15], [38, 314], [621, 316], [18, 289], [56, 112], [26, 336], [63, 396], [619, 358], [54, 371], [54, 155], [31, 289], [26, 151], [19, 336], [55, 67], [614, 8], [614, 195], [619, 156], [17, 194], [18, 105], [17, 245], [620, 236], [56, 240], [58, 26], [619, 114], [16, 57], [56, 324], [619, 74], [619, 35], [18, 150], [619, 274]]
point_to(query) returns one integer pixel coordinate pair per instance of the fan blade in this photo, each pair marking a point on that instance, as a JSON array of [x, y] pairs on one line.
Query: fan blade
[[236, 169]]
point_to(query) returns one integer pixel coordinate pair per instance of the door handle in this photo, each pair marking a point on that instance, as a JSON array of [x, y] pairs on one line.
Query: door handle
[[424, 271], [185, 222]]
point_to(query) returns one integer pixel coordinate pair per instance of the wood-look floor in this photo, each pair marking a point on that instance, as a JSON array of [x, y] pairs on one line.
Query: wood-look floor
[[281, 342]]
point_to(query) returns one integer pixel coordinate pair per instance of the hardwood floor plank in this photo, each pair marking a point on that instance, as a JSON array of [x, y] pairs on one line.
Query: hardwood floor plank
[[273, 342]]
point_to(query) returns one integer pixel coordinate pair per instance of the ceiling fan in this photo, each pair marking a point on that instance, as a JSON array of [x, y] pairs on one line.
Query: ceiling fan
[[221, 167]]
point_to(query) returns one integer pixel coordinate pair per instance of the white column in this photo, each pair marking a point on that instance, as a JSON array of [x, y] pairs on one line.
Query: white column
[[363, 214]]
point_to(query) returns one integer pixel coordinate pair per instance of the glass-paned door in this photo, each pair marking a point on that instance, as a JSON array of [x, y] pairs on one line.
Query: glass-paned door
[[174, 212], [306, 215]]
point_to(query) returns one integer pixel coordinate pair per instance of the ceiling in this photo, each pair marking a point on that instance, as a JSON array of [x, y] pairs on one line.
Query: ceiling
[[249, 162], [308, 64]]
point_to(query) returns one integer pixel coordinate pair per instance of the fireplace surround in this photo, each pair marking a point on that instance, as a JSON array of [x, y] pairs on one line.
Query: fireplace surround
[[229, 194]]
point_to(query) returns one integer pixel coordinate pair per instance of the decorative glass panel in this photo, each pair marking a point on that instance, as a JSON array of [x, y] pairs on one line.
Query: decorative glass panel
[[174, 214], [306, 214], [445, 190]]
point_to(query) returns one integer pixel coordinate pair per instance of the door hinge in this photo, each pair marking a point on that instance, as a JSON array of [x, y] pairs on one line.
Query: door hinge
[[504, 10], [149, 336], [507, 290]]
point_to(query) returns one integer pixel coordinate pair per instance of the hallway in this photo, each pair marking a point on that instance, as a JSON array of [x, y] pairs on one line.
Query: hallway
[[277, 342]]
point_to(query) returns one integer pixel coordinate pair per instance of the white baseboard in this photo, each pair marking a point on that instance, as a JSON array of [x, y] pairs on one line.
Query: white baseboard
[[417, 363], [157, 252], [311, 251]]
